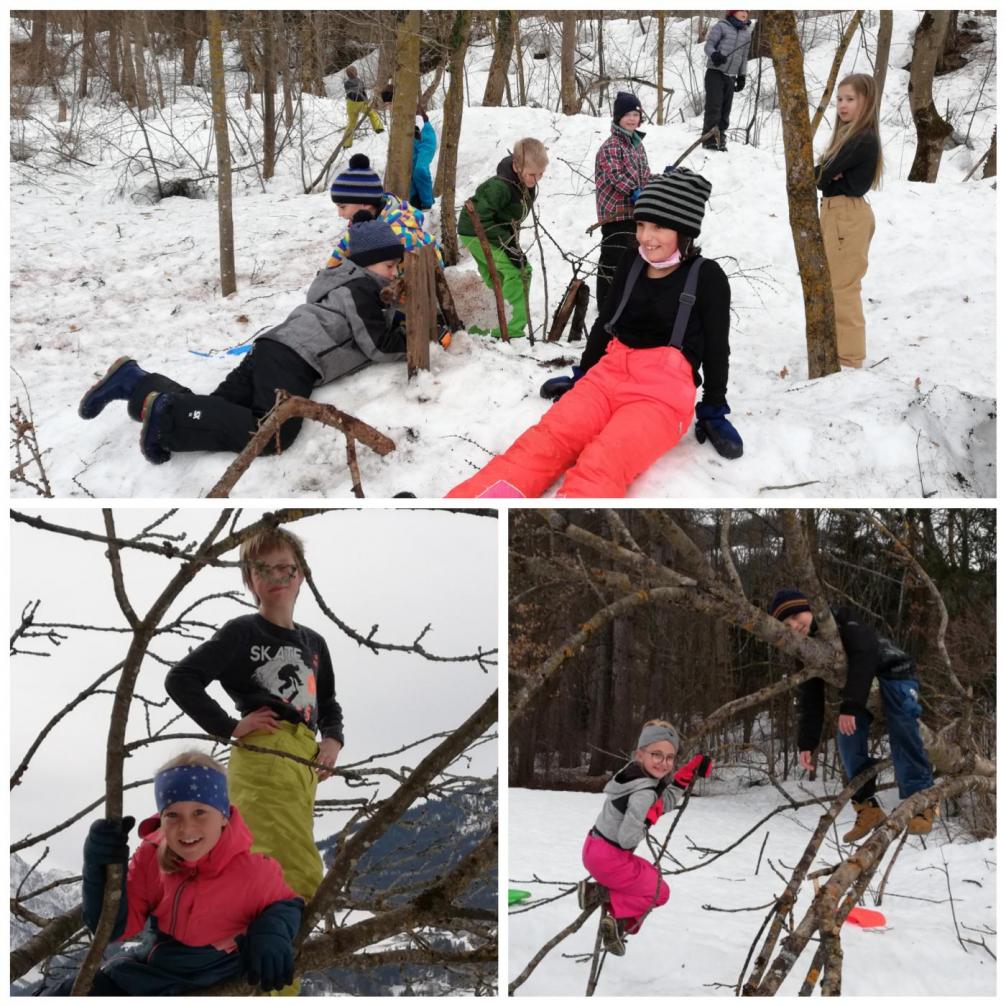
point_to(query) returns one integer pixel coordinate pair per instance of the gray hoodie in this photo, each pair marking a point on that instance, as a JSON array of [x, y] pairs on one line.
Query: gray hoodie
[[732, 42], [630, 793], [343, 326]]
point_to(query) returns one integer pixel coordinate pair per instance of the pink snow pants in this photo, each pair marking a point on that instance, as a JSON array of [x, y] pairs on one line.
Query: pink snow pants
[[631, 881], [627, 410]]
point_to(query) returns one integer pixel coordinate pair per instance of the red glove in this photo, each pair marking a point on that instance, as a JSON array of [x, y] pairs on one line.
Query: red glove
[[701, 766], [653, 814]]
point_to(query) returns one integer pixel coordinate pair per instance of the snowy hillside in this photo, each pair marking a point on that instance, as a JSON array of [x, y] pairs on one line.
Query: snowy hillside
[[689, 948], [98, 273]]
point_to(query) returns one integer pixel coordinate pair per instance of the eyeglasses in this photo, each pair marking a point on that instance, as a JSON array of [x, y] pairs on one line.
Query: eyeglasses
[[661, 759], [280, 573]]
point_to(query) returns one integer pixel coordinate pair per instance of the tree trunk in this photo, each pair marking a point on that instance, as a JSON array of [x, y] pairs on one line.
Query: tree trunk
[[990, 161], [497, 79], [450, 135], [190, 49], [930, 127], [138, 34], [39, 62], [87, 59], [128, 63], [268, 95], [567, 84], [883, 56], [660, 68], [819, 304], [398, 174], [225, 219], [283, 58], [518, 59], [114, 72], [836, 64], [249, 56], [950, 56]]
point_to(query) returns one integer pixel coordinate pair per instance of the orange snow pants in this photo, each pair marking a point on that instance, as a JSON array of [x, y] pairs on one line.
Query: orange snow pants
[[629, 409]]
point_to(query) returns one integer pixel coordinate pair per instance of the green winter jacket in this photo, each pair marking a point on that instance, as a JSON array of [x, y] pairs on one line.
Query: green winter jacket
[[502, 202]]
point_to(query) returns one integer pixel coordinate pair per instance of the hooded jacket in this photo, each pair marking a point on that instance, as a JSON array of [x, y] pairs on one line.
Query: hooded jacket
[[502, 202], [732, 39], [343, 326], [423, 149], [634, 800], [620, 167]]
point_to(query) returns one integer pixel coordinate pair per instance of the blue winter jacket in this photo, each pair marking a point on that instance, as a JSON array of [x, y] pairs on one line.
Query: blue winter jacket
[[423, 150]]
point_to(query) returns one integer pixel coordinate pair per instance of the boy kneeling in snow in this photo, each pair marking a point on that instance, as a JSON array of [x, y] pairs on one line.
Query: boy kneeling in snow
[[341, 328]]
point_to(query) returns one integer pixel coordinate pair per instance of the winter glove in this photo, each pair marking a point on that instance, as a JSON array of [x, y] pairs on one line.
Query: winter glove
[[699, 767], [711, 421], [717, 58], [266, 954], [739, 83], [555, 387], [107, 841], [655, 811], [634, 195]]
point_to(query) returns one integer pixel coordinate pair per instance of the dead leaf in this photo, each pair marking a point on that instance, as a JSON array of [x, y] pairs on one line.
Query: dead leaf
[[242, 319], [918, 383], [784, 373], [75, 328]]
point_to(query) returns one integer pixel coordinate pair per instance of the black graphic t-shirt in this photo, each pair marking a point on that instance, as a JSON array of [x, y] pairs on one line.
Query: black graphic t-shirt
[[259, 664]]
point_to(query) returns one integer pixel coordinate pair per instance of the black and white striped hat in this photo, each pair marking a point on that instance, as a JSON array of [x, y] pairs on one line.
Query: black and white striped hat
[[676, 200]]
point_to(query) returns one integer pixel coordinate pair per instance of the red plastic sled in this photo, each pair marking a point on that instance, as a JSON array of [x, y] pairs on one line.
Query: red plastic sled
[[866, 917]]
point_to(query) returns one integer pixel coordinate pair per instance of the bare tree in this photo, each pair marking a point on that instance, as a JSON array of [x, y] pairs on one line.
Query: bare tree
[[497, 78], [398, 173], [836, 63], [883, 57], [568, 89], [930, 127], [225, 216]]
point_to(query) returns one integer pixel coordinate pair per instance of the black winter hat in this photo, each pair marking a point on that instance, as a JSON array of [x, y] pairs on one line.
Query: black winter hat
[[676, 200], [788, 602], [373, 241], [359, 184], [625, 102]]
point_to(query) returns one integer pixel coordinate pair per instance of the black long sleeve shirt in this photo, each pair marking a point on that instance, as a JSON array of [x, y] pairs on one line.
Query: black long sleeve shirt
[[856, 162], [259, 664], [648, 320]]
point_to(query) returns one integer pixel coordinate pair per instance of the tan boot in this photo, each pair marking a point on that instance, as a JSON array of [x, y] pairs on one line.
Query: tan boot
[[868, 817], [921, 824]]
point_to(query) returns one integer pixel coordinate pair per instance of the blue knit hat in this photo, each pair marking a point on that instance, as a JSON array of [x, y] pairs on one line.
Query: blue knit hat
[[191, 782], [625, 102], [373, 241], [788, 602], [360, 184]]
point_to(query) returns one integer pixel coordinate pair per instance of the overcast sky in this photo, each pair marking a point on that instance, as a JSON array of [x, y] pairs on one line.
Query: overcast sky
[[400, 569]]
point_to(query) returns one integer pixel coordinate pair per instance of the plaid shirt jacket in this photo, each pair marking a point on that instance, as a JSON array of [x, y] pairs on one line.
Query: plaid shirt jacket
[[620, 168]]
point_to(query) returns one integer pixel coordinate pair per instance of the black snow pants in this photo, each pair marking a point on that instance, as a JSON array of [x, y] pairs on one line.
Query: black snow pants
[[719, 99]]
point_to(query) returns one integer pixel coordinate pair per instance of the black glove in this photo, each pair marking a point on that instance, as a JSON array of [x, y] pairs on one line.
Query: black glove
[[739, 83], [711, 422], [717, 58], [107, 841], [267, 954], [555, 387]]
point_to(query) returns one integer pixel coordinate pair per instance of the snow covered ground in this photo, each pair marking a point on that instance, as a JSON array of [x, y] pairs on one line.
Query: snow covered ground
[[96, 274], [688, 949]]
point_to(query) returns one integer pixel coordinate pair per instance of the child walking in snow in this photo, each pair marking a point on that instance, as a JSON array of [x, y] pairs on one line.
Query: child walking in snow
[[279, 675], [633, 394], [216, 909], [357, 105], [628, 886], [851, 166], [502, 202], [343, 327], [727, 46]]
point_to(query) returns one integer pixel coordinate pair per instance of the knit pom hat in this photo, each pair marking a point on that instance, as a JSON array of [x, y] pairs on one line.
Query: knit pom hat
[[676, 200], [373, 241], [625, 102], [360, 184], [788, 602]]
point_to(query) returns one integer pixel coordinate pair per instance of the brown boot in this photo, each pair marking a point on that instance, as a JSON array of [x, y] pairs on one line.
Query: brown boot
[[921, 824], [868, 817]]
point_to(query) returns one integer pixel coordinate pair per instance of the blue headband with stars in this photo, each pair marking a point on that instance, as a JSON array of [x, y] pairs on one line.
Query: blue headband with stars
[[192, 782]]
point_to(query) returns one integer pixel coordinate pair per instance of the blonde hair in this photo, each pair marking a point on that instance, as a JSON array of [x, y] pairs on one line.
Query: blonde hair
[[530, 154], [269, 540], [868, 121], [350, 71], [660, 723], [168, 861]]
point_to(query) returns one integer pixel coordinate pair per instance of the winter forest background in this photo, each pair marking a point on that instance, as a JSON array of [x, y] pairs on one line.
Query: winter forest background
[[115, 248], [619, 616]]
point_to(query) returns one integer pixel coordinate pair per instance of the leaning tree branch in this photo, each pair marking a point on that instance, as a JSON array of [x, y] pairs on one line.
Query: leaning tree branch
[[45, 942]]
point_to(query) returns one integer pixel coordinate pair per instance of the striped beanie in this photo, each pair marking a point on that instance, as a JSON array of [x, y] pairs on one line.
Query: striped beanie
[[373, 241], [788, 602], [360, 184], [676, 200]]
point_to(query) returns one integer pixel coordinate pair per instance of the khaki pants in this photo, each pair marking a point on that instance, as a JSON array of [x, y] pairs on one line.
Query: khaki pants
[[354, 109], [847, 225]]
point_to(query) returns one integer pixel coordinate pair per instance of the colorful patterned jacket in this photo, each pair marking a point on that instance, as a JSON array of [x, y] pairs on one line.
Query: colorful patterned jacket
[[407, 224], [620, 168]]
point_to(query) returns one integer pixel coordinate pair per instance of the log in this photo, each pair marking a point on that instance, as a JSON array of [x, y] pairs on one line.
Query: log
[[421, 312]]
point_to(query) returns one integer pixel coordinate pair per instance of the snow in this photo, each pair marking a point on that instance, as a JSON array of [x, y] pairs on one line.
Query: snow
[[97, 272], [685, 948]]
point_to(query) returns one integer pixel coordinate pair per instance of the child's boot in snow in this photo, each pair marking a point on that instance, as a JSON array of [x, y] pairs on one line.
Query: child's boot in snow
[[921, 824], [153, 415], [611, 935], [589, 894], [118, 384], [868, 817]]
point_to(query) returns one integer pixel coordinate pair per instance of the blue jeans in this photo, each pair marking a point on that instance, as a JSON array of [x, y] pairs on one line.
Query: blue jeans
[[911, 764]]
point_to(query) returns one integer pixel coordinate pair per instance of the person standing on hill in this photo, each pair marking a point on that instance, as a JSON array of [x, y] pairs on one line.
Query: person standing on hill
[[727, 46], [357, 105], [621, 170]]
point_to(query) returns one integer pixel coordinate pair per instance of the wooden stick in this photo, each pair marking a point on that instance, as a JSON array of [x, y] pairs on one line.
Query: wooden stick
[[290, 407], [480, 233], [421, 316]]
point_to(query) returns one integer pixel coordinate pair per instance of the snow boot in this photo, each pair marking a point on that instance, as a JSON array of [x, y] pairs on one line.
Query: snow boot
[[921, 824], [118, 384], [868, 817], [589, 894], [612, 935], [152, 417], [710, 145], [722, 148]]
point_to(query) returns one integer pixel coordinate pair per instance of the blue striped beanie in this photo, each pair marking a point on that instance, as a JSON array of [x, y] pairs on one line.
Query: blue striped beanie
[[359, 184]]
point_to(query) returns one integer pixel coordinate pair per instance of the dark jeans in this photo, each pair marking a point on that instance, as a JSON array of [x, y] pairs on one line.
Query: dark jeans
[[719, 98], [227, 418], [911, 764], [615, 238]]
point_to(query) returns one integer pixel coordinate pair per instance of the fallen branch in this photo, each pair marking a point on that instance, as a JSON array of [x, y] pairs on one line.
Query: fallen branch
[[490, 265]]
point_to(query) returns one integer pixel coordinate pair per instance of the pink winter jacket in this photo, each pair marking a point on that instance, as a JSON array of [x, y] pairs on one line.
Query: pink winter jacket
[[207, 902]]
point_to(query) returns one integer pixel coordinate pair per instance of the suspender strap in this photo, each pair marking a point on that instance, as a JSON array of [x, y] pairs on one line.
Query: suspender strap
[[685, 304], [630, 282]]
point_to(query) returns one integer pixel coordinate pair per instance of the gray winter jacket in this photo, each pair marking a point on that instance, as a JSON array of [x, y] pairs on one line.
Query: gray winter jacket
[[734, 43], [631, 792], [343, 326]]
